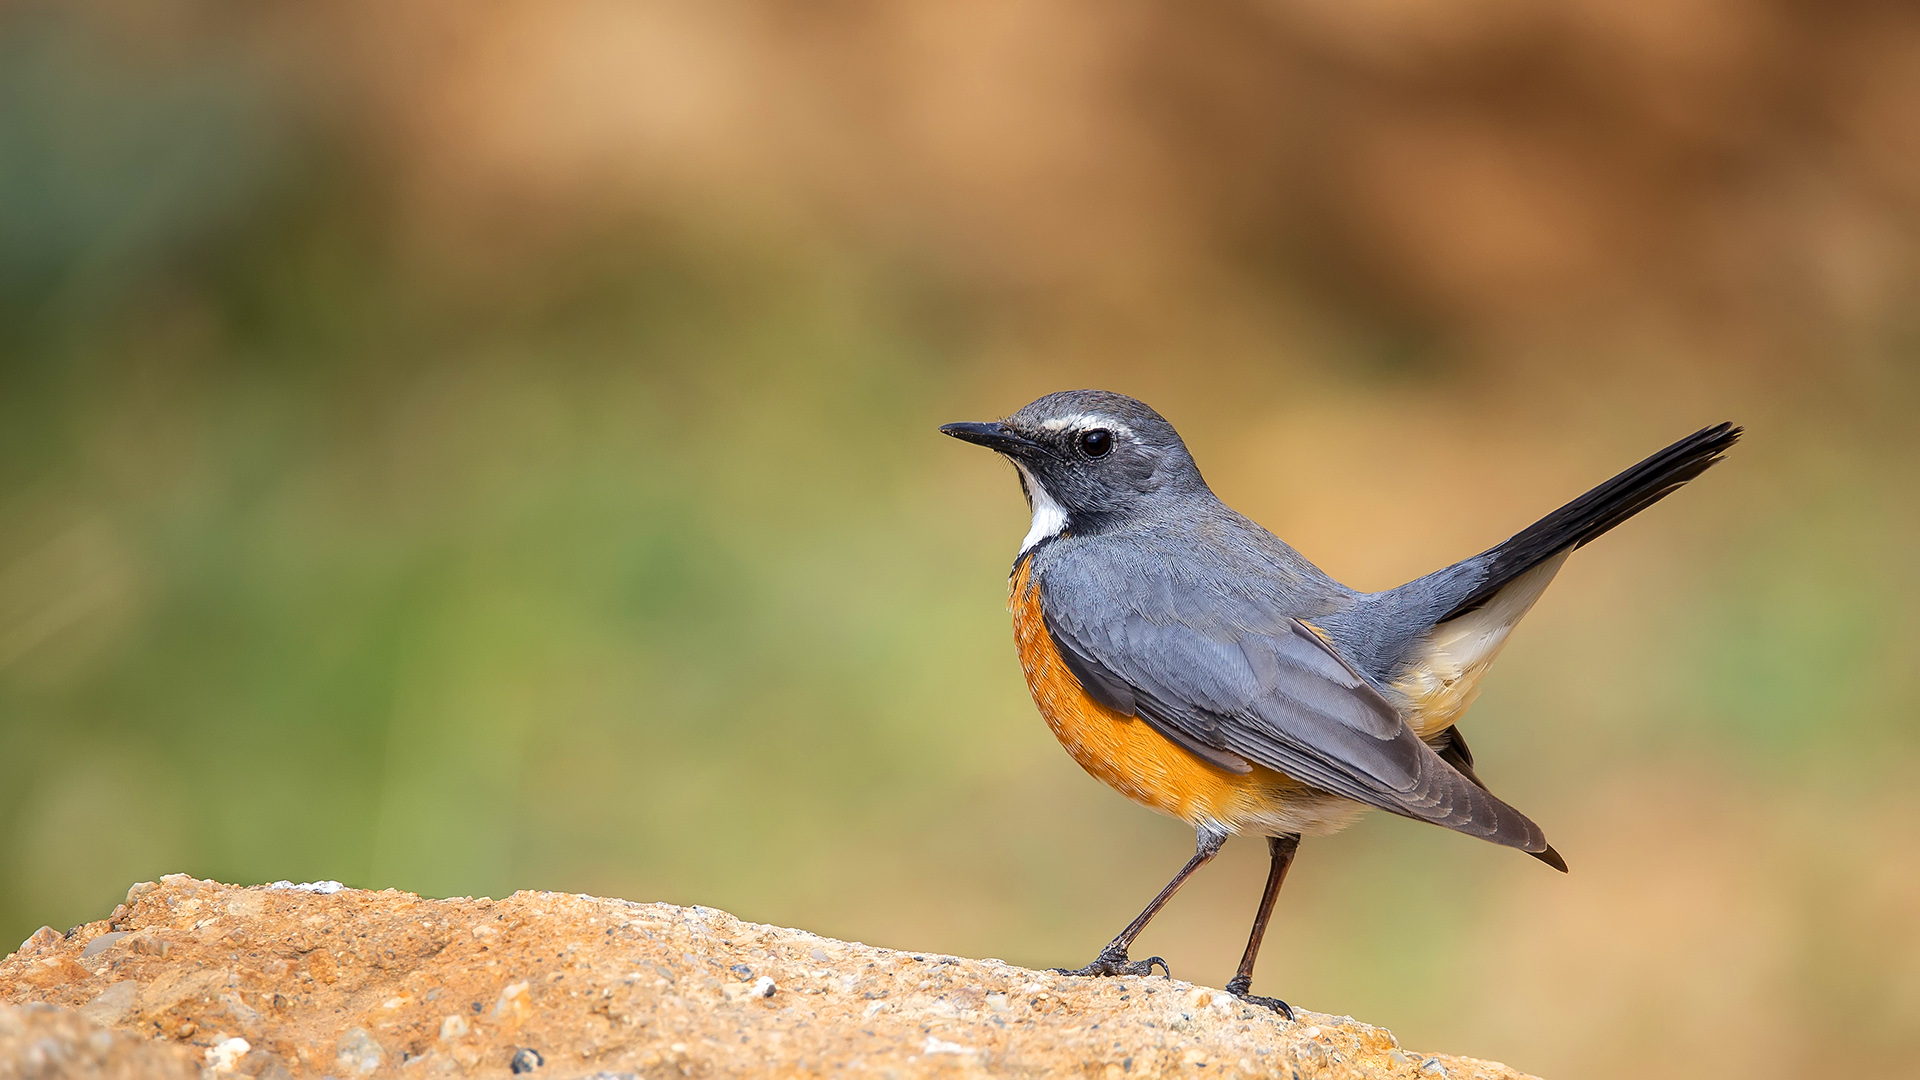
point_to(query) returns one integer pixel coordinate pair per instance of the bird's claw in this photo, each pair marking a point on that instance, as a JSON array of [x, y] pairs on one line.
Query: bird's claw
[[1112, 961], [1275, 1004], [1238, 988]]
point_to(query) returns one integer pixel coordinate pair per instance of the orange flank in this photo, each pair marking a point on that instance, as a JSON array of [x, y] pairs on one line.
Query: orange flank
[[1127, 755]]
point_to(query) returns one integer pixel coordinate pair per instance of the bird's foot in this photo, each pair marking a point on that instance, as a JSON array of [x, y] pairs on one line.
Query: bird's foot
[[1113, 961], [1238, 988]]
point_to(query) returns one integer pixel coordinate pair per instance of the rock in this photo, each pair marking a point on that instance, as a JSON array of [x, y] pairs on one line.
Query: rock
[[282, 982]]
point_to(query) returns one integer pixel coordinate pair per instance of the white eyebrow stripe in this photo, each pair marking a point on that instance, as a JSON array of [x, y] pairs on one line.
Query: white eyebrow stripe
[[1060, 423]]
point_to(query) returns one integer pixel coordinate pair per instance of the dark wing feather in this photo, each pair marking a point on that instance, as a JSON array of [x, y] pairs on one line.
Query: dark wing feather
[[1583, 520], [1221, 675], [1453, 749]]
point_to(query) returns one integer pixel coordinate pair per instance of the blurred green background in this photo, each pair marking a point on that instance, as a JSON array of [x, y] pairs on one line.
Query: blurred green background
[[466, 448]]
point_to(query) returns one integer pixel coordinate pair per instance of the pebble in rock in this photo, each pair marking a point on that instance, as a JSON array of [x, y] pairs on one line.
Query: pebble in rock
[[358, 1052], [526, 1059], [102, 944], [225, 1054], [111, 1005]]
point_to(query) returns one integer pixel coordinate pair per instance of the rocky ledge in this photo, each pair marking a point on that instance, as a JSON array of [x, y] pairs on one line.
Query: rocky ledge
[[194, 978]]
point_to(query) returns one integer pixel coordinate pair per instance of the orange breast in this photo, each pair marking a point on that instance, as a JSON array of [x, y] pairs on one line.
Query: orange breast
[[1126, 753]]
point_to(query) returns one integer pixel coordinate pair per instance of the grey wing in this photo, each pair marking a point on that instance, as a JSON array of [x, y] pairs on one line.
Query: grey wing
[[1224, 676]]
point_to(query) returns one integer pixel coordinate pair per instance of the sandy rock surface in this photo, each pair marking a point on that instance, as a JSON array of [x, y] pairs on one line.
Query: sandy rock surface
[[42, 1042], [277, 981]]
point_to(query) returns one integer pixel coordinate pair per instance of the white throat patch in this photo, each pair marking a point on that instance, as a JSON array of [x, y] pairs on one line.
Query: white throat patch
[[1049, 517]]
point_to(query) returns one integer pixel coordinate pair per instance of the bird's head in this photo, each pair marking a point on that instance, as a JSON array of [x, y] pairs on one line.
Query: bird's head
[[1089, 458]]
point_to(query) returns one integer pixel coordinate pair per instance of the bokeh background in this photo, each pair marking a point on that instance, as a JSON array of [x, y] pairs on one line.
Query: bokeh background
[[472, 447]]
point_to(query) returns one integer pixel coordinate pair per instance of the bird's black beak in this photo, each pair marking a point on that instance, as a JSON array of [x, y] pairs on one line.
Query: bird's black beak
[[992, 436]]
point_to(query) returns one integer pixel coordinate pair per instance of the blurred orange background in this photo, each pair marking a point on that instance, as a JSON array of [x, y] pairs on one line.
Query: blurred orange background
[[472, 447]]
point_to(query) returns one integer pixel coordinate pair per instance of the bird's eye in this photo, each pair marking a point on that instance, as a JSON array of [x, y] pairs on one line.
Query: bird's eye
[[1097, 442]]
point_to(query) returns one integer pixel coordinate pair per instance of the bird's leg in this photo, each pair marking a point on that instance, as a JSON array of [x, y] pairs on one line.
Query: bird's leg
[[1113, 959], [1282, 849]]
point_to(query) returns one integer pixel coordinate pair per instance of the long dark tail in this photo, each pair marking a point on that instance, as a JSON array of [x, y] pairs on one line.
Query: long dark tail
[[1599, 510]]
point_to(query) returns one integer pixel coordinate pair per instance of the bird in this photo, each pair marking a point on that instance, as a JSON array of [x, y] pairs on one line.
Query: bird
[[1200, 666]]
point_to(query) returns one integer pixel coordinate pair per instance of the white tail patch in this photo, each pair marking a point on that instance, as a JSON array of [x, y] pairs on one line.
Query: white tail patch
[[1444, 676]]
